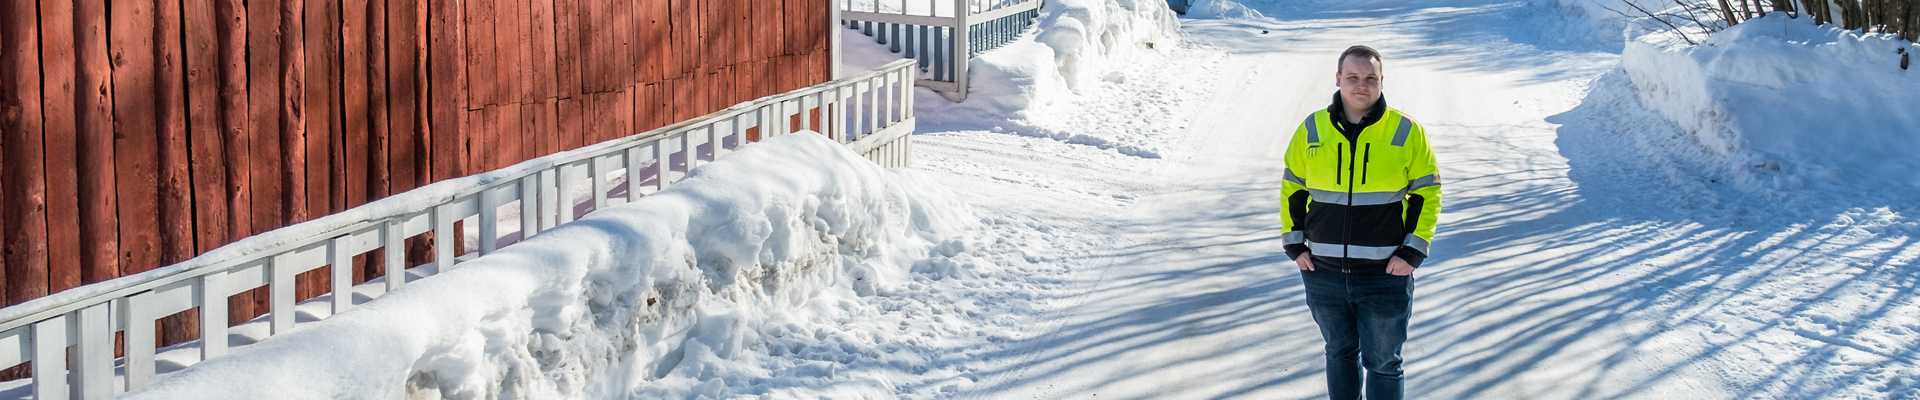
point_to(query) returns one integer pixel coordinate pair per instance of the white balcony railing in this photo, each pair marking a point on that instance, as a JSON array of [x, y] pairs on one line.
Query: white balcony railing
[[941, 34]]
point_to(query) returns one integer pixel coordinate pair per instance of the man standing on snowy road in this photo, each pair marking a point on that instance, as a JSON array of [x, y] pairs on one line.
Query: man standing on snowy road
[[1357, 208]]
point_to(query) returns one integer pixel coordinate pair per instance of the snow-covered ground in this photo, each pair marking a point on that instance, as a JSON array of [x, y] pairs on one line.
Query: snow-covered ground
[[1606, 231]]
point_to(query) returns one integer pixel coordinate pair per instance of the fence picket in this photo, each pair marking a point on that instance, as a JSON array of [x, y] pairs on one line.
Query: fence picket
[[93, 329], [49, 343], [489, 222], [529, 206]]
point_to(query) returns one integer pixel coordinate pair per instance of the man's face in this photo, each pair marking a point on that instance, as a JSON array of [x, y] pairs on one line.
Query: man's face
[[1360, 81]]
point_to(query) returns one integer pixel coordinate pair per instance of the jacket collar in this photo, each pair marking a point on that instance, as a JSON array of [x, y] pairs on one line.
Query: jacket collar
[[1339, 113]]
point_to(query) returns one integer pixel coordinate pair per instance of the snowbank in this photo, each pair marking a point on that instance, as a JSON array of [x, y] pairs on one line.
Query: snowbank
[[659, 297], [1076, 50], [1786, 106]]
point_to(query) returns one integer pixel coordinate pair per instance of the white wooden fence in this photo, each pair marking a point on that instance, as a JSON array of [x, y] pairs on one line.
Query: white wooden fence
[[871, 112], [942, 44]]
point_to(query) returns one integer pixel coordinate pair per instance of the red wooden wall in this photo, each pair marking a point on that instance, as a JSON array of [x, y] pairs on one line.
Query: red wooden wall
[[139, 133]]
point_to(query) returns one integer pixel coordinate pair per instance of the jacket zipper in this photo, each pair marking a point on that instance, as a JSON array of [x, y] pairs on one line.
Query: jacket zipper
[[1366, 159], [1347, 242], [1340, 161]]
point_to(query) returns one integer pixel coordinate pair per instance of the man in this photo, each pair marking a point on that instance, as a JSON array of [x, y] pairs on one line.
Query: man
[[1357, 207]]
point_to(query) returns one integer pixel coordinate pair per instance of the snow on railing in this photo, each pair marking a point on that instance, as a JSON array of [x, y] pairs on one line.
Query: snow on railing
[[942, 44], [871, 113]]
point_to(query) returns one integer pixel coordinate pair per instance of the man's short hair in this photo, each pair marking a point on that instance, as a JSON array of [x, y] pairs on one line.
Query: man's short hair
[[1358, 51]]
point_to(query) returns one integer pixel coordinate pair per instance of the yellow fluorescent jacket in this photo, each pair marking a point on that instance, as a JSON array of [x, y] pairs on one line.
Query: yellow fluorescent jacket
[[1361, 199]]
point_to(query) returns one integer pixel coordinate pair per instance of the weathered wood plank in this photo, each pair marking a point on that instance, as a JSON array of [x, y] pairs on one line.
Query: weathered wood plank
[[537, 121], [647, 18], [685, 30], [566, 48], [58, 126], [326, 192], [207, 151], [407, 135], [588, 47], [356, 104], [447, 77], [622, 114], [486, 121], [321, 109], [572, 121], [766, 25], [540, 15], [511, 141], [379, 135], [236, 133], [263, 113], [657, 58], [22, 175], [623, 47], [510, 24], [293, 112], [740, 31], [94, 125], [482, 56], [136, 146], [176, 191], [176, 195]]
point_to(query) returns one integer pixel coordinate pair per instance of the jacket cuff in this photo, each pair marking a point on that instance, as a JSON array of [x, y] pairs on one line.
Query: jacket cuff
[[1413, 257], [1295, 250]]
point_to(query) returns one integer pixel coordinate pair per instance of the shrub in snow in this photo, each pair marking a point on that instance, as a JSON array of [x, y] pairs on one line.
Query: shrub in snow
[[648, 296], [1786, 104]]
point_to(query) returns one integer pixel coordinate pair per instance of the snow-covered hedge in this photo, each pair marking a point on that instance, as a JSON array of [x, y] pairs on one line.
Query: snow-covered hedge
[[630, 294], [1784, 104]]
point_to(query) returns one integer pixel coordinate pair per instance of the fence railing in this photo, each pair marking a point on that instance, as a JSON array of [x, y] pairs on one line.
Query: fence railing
[[871, 112], [941, 44]]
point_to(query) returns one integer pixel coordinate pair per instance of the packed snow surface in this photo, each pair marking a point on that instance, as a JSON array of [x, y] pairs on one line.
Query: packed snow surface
[[1607, 233]]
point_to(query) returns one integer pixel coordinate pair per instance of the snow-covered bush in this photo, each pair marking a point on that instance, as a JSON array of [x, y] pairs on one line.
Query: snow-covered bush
[[1786, 104]]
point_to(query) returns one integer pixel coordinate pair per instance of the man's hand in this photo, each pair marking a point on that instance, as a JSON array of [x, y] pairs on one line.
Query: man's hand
[[1399, 267], [1305, 261]]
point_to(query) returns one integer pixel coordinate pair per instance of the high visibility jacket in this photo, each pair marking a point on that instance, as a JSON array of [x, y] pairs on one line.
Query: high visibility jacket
[[1354, 203]]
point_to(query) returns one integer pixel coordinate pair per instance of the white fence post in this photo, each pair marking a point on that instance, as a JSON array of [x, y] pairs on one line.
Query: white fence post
[[94, 361], [961, 50], [50, 357]]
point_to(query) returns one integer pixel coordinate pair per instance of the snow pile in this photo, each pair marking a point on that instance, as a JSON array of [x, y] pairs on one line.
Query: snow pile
[[680, 294], [1079, 49], [1782, 105]]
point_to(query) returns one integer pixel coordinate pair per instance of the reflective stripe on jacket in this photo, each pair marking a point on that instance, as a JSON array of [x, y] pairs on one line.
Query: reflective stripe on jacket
[[1360, 201]]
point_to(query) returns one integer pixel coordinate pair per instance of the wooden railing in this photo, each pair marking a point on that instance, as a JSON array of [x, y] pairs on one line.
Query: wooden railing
[[942, 44], [870, 112]]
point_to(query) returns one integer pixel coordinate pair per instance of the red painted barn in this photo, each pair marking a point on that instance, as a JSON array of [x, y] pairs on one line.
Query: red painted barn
[[136, 134]]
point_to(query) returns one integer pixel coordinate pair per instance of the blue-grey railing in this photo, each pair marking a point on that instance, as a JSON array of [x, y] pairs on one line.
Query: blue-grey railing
[[941, 35]]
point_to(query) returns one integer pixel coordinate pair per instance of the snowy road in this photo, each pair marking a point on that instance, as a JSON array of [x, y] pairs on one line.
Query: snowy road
[[1562, 270]]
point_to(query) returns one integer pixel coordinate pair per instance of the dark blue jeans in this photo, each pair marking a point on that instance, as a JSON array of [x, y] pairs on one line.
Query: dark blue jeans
[[1363, 317]]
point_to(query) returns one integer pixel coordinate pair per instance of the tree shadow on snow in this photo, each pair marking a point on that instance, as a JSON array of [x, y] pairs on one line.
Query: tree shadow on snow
[[1626, 283]]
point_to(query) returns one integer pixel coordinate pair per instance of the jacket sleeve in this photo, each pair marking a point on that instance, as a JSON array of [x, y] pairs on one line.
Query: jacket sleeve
[[1294, 196], [1423, 198]]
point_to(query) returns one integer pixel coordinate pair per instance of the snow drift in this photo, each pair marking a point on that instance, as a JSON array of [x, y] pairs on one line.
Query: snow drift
[[660, 291], [1076, 46], [1785, 105]]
